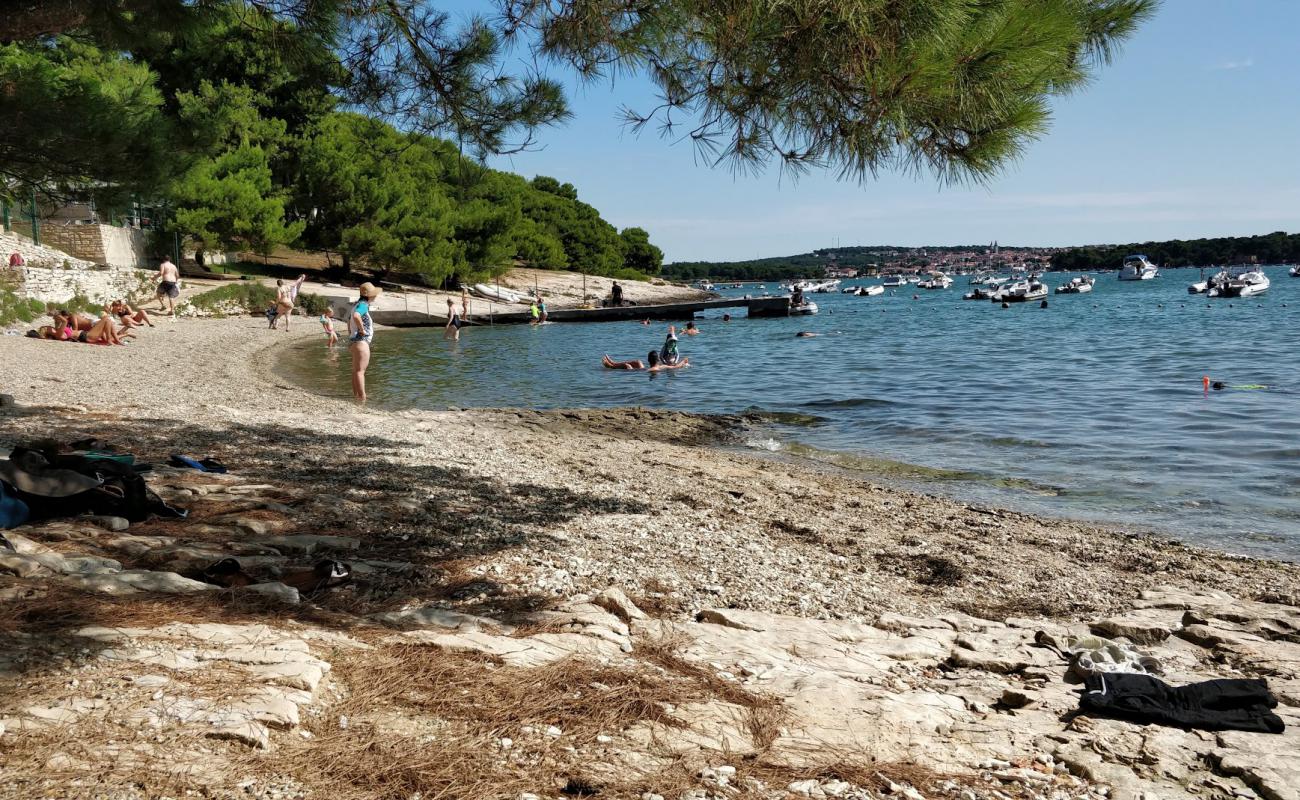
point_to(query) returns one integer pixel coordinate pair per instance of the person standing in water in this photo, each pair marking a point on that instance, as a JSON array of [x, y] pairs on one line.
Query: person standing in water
[[452, 331], [536, 312], [541, 311], [360, 333]]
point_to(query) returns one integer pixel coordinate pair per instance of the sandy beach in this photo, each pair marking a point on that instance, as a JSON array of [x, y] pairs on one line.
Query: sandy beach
[[506, 515]]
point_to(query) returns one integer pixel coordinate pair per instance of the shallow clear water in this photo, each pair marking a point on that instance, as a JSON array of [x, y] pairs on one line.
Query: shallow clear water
[[1091, 408]]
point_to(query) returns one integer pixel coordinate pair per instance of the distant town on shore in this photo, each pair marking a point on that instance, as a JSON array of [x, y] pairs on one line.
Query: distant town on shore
[[860, 260]]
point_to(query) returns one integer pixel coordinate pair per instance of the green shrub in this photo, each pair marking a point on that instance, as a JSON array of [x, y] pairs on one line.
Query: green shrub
[[18, 309], [629, 274], [253, 298]]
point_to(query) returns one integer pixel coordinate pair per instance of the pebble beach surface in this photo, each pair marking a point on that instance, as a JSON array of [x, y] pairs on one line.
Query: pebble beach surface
[[529, 537], [648, 504]]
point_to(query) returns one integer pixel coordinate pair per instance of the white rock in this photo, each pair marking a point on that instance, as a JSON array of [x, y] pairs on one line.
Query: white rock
[[806, 788], [553, 731]]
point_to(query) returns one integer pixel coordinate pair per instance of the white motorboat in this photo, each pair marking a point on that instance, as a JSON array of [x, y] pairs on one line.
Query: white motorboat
[[1200, 287], [980, 293], [1080, 285], [1294, 272], [870, 291], [705, 286], [893, 281], [994, 280], [850, 290], [937, 281], [1244, 281], [827, 287], [498, 294], [804, 309], [1021, 290], [1138, 268]]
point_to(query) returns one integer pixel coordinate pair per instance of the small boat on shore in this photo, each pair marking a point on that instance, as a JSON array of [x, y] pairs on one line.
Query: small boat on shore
[[1244, 281], [489, 292], [1080, 285], [1137, 268]]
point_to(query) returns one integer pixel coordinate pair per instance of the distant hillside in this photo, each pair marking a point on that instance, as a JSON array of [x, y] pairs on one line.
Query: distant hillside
[[812, 264], [1273, 248]]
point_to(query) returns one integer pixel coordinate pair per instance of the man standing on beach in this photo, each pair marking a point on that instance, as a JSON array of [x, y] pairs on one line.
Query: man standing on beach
[[169, 286]]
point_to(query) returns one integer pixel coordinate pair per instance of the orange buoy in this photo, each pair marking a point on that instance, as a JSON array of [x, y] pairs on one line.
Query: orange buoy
[[1205, 382]]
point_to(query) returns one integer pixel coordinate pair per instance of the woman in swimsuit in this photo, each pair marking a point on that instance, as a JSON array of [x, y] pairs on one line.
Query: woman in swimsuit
[[131, 318], [452, 331], [360, 333], [284, 298]]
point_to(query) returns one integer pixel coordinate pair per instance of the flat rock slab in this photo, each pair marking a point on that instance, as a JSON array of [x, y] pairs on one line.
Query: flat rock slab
[[442, 618], [306, 544], [132, 581]]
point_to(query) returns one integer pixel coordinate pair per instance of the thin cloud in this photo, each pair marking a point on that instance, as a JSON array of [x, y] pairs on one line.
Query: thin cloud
[[1245, 63]]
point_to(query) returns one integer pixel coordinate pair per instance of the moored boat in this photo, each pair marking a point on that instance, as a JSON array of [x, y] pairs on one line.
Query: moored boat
[[1244, 281], [1080, 285], [1021, 290], [980, 293], [1138, 268], [870, 291], [937, 280]]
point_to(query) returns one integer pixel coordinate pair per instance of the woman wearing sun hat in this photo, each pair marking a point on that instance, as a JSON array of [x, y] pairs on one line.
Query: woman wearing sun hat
[[360, 332]]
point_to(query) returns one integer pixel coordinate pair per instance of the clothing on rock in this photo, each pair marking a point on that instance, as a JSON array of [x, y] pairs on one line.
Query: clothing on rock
[[1225, 704]]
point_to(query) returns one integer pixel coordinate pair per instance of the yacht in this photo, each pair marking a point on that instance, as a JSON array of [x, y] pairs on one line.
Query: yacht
[[1080, 285], [1243, 281], [1020, 290], [1138, 268], [937, 281]]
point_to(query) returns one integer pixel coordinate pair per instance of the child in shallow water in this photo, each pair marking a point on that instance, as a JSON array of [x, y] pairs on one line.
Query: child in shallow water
[[327, 322]]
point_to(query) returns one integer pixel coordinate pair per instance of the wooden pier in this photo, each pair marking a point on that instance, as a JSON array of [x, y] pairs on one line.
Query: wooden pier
[[754, 307]]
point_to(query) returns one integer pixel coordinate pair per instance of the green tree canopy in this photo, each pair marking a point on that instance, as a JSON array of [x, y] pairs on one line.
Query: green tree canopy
[[639, 254], [955, 87], [75, 116]]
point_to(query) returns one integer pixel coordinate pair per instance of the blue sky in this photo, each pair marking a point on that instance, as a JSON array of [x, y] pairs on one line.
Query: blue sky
[[1193, 131]]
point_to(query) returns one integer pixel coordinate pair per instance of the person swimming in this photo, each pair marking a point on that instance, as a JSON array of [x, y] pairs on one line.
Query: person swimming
[[668, 353], [690, 329], [609, 363]]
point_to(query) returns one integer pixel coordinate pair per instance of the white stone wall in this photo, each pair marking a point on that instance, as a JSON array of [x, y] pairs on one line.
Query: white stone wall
[[53, 276], [101, 244], [124, 247]]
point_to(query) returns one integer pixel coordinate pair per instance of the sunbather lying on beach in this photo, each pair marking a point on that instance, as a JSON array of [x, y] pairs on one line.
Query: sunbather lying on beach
[[130, 317]]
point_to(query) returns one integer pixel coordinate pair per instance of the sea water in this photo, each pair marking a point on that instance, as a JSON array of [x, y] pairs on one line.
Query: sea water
[[1092, 408]]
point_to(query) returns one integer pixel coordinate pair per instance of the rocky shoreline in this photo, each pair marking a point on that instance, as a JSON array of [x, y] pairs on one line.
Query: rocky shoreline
[[694, 622]]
